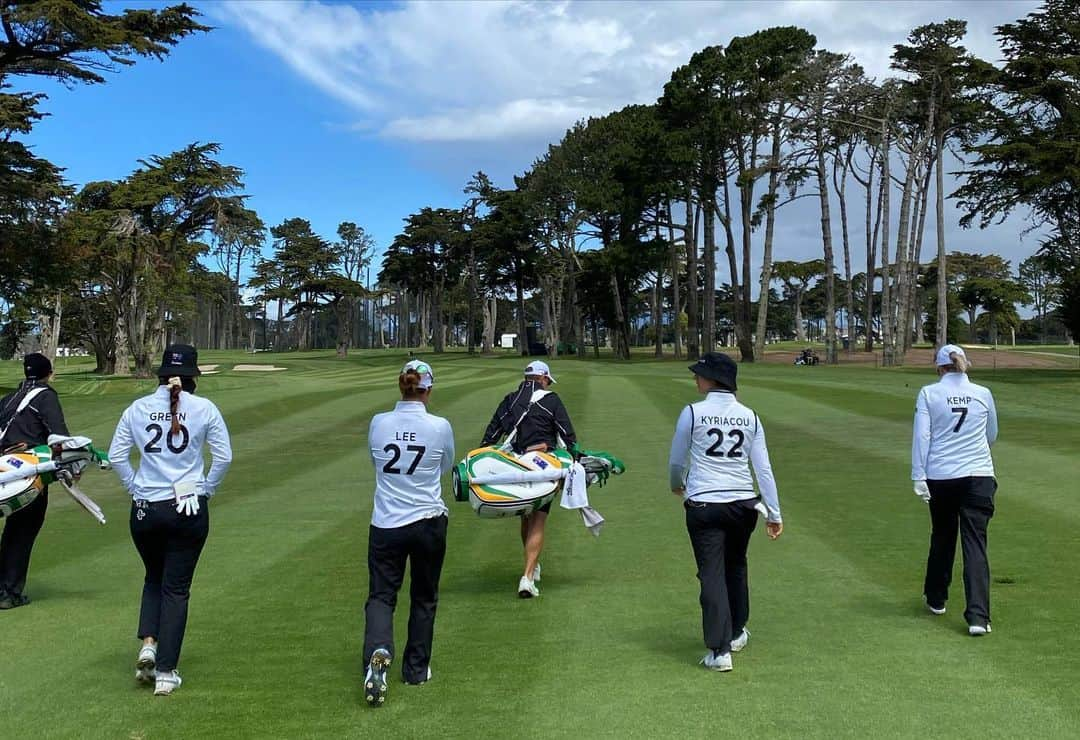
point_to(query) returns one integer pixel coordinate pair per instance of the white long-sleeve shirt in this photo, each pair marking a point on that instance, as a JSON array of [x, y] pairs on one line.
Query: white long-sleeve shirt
[[166, 459], [411, 450], [955, 424], [715, 443]]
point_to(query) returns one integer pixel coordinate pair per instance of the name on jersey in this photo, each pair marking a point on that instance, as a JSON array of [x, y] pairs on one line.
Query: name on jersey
[[405, 436], [725, 421], [959, 400], [165, 416]]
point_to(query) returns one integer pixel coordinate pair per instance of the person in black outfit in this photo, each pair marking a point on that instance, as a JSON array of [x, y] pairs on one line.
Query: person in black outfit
[[29, 427], [532, 418]]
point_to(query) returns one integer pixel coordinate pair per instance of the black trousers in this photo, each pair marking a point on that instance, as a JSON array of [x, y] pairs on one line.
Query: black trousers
[[170, 545], [965, 505], [720, 535], [20, 531], [423, 544]]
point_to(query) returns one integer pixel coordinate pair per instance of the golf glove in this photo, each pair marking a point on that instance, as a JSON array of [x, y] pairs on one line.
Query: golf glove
[[187, 498], [922, 490]]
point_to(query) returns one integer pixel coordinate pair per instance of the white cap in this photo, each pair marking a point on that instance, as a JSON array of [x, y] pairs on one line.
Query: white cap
[[539, 367], [946, 350], [427, 376]]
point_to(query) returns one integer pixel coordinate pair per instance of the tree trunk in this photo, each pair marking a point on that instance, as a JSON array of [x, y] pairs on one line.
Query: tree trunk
[[438, 336], [914, 305], [657, 316], [871, 253], [708, 201], [826, 238], [675, 298], [49, 323], [595, 337], [770, 226], [740, 289], [886, 291], [519, 287], [849, 299], [693, 347], [119, 365], [620, 341], [800, 328], [470, 319], [941, 336], [898, 312]]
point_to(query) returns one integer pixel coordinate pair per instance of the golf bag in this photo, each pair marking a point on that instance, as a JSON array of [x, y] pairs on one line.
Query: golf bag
[[498, 483], [24, 474]]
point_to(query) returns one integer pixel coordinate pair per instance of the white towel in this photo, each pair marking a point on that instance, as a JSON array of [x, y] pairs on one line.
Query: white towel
[[575, 496], [592, 520]]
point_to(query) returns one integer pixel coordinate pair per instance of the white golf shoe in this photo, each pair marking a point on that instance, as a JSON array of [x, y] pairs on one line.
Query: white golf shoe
[[536, 573], [715, 662], [375, 679], [740, 642], [978, 630], [166, 682], [144, 665], [527, 588], [939, 610]]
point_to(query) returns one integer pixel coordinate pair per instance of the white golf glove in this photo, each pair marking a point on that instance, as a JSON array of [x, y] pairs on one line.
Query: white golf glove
[[187, 498], [922, 490]]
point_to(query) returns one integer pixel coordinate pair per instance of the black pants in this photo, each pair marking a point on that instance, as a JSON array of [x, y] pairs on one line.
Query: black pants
[[967, 505], [720, 535], [170, 545], [423, 543], [20, 531]]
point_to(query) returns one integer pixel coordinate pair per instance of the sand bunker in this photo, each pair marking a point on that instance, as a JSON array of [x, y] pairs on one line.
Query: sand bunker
[[208, 369], [257, 368]]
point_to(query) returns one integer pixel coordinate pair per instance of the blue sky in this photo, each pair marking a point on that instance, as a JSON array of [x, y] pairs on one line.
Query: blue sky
[[367, 112]]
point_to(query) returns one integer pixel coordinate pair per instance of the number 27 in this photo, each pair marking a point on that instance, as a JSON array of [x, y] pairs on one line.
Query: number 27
[[393, 449]]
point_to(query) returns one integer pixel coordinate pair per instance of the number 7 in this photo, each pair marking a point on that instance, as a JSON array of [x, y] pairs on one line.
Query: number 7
[[959, 422], [419, 450]]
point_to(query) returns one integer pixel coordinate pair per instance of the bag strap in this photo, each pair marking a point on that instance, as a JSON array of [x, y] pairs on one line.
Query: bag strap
[[535, 398], [26, 399]]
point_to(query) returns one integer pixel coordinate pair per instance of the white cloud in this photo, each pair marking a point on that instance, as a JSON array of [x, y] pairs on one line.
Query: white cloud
[[472, 71]]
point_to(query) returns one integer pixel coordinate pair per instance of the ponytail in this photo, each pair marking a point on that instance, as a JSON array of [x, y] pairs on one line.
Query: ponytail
[[409, 385], [175, 386], [959, 363]]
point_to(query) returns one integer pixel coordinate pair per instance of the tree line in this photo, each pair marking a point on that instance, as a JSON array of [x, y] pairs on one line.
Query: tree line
[[631, 216], [616, 233]]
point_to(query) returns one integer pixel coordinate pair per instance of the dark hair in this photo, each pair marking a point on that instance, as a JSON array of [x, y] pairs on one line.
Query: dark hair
[[185, 384], [409, 385]]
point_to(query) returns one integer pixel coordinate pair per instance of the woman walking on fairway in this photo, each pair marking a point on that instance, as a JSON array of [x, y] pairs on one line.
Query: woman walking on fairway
[[951, 467], [715, 443], [411, 450], [27, 417], [170, 516]]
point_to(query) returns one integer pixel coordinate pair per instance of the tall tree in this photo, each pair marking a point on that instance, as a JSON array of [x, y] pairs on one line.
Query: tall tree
[[1031, 155], [943, 76], [797, 277], [306, 261], [1037, 276], [70, 41]]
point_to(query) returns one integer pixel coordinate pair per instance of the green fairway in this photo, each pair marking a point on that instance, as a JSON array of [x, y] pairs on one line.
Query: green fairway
[[841, 644]]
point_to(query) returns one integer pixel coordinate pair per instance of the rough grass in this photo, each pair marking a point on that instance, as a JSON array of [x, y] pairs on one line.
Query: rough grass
[[841, 645]]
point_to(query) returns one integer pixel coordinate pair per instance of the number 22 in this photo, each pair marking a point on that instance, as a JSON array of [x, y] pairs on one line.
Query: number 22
[[736, 449]]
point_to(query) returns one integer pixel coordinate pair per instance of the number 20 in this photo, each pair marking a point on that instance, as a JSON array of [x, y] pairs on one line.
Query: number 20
[[158, 432]]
